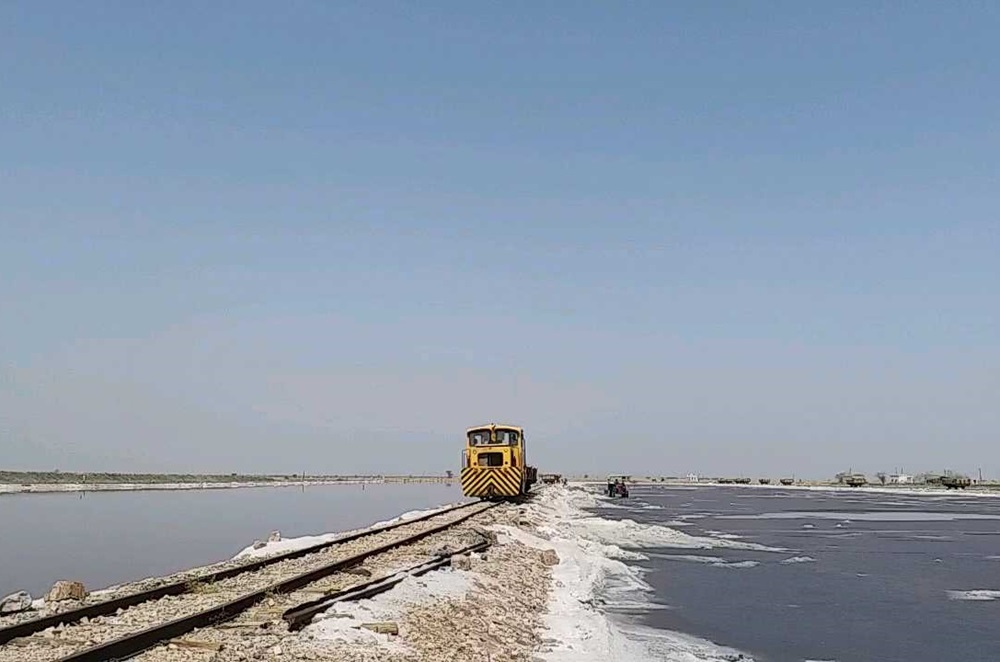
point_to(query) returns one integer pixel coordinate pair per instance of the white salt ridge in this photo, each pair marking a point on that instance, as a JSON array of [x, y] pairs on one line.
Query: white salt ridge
[[587, 584], [975, 595], [294, 544], [412, 514], [870, 516], [871, 489], [630, 533], [567, 517], [798, 559], [723, 535], [587, 499], [713, 561]]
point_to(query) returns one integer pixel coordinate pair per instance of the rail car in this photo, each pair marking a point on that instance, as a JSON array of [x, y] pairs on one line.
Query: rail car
[[494, 463]]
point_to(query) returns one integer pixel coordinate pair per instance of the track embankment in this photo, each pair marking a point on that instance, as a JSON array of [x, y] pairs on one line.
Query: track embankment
[[488, 607], [137, 624]]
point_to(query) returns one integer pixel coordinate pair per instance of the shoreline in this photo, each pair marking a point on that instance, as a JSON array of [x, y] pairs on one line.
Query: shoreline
[[991, 489], [48, 488], [559, 606]]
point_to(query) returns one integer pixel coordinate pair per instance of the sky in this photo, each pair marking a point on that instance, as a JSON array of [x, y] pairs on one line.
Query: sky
[[724, 238]]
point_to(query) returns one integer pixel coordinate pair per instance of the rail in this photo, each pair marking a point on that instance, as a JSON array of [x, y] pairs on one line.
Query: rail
[[106, 607], [132, 644], [299, 616]]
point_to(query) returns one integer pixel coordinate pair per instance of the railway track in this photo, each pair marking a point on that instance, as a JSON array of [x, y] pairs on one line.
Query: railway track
[[124, 627]]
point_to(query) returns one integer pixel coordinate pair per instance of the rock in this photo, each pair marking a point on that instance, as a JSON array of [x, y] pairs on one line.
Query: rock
[[549, 557], [66, 590], [461, 562], [257, 544], [491, 536], [274, 537], [358, 570], [441, 551], [15, 602]]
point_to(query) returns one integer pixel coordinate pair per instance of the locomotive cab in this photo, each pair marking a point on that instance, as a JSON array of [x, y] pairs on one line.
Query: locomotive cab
[[494, 462]]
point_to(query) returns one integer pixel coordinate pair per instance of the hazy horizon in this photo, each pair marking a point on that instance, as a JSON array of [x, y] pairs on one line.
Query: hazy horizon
[[726, 240]]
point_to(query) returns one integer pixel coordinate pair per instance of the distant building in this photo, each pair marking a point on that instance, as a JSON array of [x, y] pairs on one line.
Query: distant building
[[692, 478], [900, 479]]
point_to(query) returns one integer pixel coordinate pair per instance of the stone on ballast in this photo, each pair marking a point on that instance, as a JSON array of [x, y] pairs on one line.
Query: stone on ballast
[[358, 570], [461, 562], [274, 537], [549, 557], [15, 602], [66, 590], [490, 535], [257, 544]]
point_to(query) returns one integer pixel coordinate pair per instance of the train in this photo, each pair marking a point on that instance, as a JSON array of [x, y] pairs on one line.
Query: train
[[495, 464]]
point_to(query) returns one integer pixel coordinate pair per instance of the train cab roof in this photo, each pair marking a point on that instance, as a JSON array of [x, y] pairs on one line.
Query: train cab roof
[[494, 426]]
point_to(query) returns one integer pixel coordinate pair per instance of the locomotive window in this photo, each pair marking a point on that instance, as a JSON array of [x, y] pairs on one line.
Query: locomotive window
[[480, 438], [491, 459], [508, 437]]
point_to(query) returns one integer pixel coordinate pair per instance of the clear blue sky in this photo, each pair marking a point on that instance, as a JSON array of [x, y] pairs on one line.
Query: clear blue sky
[[664, 237]]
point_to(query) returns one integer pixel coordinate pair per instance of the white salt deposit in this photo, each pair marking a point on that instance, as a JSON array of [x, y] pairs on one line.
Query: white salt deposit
[[629, 533], [929, 491], [302, 542], [589, 583], [736, 564], [412, 514], [798, 559], [713, 561], [870, 516], [976, 595], [343, 621]]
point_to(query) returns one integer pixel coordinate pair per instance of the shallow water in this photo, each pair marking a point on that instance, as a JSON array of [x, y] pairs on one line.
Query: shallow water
[[865, 577], [104, 538]]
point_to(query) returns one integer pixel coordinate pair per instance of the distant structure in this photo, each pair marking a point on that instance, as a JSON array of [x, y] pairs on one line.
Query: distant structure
[[851, 478], [691, 478], [900, 479]]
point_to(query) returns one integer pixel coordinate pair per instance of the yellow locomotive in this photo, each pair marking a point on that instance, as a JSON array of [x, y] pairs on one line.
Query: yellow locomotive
[[494, 463]]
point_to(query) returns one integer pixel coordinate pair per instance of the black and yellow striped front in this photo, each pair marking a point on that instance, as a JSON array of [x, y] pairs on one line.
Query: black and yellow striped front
[[486, 482]]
